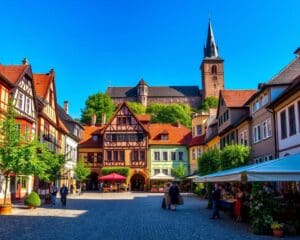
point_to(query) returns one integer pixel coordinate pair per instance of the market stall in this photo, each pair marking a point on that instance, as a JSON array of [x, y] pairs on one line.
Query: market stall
[[158, 181]]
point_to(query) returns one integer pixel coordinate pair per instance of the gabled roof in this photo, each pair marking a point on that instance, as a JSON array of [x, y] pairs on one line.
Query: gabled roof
[[144, 117], [287, 74], [178, 135], [68, 121], [197, 141], [236, 98], [87, 137], [116, 112], [163, 91], [5, 81], [292, 89], [42, 83], [13, 72]]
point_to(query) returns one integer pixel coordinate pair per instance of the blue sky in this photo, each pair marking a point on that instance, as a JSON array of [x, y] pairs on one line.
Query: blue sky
[[96, 43]]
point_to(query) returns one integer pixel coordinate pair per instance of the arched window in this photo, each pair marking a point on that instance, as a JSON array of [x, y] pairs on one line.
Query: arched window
[[214, 69]]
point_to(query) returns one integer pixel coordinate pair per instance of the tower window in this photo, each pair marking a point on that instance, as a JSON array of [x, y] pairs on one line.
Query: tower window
[[214, 69]]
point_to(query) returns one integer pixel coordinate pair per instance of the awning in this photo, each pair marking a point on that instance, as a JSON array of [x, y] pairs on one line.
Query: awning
[[112, 177], [284, 169], [161, 176]]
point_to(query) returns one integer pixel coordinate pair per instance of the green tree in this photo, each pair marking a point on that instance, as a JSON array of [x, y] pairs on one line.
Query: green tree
[[18, 155], [54, 161], [179, 171], [209, 162], [209, 102], [81, 172], [120, 170], [170, 113], [98, 104], [235, 155], [137, 107]]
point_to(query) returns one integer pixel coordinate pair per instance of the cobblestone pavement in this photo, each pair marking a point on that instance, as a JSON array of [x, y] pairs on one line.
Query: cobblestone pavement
[[121, 216]]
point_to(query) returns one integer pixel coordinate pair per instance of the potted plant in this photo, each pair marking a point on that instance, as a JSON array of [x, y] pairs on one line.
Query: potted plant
[[32, 200], [277, 229]]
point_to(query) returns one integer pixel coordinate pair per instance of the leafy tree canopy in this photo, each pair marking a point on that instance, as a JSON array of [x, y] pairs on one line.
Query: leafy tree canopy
[[179, 171], [81, 172], [98, 104], [170, 113], [235, 155], [209, 102], [137, 108], [209, 162]]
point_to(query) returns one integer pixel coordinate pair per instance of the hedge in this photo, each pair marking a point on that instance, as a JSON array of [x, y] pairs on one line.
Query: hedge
[[120, 170]]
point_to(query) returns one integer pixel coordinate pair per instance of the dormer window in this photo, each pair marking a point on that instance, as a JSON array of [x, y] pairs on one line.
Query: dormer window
[[164, 137]]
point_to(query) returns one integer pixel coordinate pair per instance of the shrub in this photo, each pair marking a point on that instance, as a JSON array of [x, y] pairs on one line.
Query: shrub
[[33, 199], [119, 170]]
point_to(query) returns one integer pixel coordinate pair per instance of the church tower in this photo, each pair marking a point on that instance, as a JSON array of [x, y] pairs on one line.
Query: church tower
[[212, 67]]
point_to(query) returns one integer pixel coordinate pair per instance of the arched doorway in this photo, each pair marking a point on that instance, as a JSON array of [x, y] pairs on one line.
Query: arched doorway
[[92, 181], [137, 182]]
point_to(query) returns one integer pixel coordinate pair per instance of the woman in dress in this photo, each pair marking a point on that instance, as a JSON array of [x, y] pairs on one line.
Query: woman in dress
[[238, 204]]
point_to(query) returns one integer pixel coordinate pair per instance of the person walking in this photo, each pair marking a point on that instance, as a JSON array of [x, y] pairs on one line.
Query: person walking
[[166, 199], [216, 196], [53, 191], [63, 193], [174, 195]]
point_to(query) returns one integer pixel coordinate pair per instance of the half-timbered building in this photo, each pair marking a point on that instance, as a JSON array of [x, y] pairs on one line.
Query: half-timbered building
[[125, 143], [23, 97]]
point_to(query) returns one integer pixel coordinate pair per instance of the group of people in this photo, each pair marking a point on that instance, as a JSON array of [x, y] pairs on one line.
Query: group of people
[[216, 197], [63, 194], [171, 196]]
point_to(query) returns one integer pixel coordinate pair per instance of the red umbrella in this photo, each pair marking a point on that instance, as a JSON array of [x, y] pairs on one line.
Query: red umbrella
[[112, 177]]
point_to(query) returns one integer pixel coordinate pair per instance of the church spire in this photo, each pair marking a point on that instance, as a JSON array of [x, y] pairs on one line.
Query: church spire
[[211, 49]]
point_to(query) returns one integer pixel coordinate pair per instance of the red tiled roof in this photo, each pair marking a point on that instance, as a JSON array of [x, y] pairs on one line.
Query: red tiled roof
[[236, 98], [42, 82], [87, 136], [177, 135], [13, 72], [199, 140], [144, 117]]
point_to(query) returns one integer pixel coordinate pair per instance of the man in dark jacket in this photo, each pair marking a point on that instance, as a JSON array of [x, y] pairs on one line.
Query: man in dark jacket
[[174, 194], [216, 196], [63, 193]]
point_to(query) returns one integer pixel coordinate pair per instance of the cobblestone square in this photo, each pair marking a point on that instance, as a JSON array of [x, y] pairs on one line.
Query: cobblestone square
[[121, 216]]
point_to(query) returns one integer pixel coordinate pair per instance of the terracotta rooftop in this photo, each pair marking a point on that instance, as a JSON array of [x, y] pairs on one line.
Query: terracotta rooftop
[[196, 141], [144, 117], [13, 72], [41, 83], [236, 98], [87, 136], [176, 135]]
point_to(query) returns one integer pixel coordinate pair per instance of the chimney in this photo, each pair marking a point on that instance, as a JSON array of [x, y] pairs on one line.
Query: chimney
[[103, 119], [66, 106], [297, 52], [93, 119], [25, 61]]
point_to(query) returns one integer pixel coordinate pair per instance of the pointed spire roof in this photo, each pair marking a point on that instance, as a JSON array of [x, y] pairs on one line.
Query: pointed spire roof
[[211, 49]]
